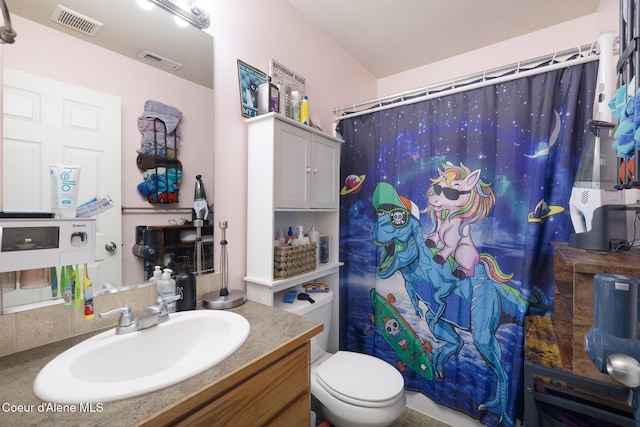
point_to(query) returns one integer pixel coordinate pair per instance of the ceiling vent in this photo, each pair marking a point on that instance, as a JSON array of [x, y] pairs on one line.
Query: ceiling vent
[[159, 60], [76, 21]]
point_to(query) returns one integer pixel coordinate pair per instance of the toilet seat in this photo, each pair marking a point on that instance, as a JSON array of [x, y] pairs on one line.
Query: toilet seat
[[360, 379]]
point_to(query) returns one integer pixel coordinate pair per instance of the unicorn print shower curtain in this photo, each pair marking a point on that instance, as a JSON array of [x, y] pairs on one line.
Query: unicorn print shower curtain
[[448, 211]]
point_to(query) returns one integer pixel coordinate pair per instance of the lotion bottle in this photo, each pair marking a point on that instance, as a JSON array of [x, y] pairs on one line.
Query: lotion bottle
[[167, 288]]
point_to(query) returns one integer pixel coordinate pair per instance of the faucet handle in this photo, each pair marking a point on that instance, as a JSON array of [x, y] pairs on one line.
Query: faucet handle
[[126, 316], [172, 298], [164, 310]]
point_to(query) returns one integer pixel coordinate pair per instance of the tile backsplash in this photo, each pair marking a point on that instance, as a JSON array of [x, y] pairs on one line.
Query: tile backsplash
[[32, 328]]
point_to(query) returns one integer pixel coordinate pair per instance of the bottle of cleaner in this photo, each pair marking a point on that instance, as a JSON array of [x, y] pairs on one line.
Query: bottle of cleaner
[[167, 288], [304, 110], [186, 286]]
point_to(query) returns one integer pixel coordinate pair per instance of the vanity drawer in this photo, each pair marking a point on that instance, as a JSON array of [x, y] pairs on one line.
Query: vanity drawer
[[277, 395]]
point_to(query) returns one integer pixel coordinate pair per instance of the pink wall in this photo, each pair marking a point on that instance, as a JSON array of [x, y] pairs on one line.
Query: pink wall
[[52, 54], [255, 31]]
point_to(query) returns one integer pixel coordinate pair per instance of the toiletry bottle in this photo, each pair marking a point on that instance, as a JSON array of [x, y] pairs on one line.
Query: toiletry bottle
[[186, 286], [314, 237], [157, 274], [304, 110], [268, 97], [167, 288], [324, 248], [289, 238]]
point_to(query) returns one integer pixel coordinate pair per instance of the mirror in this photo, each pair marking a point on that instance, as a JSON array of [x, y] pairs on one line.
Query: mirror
[[133, 31]]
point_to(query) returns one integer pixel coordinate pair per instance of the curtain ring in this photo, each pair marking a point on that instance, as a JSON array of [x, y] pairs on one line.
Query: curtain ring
[[553, 60], [484, 76], [453, 83], [580, 51], [518, 68]]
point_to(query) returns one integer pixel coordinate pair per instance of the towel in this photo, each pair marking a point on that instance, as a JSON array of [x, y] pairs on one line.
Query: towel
[[154, 143], [166, 180], [171, 116], [148, 161], [146, 125], [623, 109]]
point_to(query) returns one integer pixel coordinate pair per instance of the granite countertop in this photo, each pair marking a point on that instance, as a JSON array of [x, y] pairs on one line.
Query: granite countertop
[[272, 330]]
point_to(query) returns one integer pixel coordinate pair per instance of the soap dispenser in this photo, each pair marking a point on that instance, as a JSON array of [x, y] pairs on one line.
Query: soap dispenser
[[186, 286], [167, 288], [157, 274]]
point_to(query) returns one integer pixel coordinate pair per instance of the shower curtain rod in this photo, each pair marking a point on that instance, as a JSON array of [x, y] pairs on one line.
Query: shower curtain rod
[[459, 84]]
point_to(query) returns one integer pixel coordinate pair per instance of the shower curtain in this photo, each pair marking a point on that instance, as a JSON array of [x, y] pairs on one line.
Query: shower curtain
[[448, 211]]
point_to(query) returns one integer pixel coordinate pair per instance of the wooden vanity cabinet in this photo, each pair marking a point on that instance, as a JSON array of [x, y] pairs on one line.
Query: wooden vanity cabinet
[[273, 391]]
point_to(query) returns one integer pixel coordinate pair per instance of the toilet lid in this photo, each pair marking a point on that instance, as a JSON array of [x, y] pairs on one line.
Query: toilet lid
[[360, 379]]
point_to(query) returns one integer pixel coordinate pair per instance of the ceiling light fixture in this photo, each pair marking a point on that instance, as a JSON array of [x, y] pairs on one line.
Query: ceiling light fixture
[[191, 13]]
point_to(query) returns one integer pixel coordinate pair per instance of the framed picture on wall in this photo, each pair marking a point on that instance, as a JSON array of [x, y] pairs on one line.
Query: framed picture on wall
[[249, 78]]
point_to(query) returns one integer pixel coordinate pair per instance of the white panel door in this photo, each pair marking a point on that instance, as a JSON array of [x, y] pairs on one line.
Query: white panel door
[[46, 121]]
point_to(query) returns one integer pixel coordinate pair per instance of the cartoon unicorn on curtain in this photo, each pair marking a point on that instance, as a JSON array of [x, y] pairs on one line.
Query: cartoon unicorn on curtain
[[460, 288]]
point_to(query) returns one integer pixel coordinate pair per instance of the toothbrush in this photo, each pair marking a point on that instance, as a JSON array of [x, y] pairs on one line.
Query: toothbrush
[[54, 282], [66, 286]]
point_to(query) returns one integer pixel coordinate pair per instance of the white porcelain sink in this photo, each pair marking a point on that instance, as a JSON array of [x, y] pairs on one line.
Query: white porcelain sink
[[109, 367]]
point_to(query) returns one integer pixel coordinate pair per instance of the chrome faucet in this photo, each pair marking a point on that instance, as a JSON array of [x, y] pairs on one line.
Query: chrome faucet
[[150, 316]]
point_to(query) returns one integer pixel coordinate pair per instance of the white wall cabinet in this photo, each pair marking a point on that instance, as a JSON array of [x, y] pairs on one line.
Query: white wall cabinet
[[306, 166], [293, 174]]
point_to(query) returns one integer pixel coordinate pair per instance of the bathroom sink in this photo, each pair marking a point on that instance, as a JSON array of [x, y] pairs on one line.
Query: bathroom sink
[[109, 367]]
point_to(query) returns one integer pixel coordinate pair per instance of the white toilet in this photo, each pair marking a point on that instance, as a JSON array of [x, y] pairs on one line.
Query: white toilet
[[353, 389]]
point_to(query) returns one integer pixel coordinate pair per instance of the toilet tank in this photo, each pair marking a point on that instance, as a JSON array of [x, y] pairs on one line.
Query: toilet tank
[[320, 310]]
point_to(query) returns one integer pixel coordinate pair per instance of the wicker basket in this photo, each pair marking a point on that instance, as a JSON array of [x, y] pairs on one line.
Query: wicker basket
[[290, 261]]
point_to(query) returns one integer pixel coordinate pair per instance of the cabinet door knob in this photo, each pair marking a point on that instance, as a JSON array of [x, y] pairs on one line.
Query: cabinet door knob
[[308, 169], [110, 246], [315, 170]]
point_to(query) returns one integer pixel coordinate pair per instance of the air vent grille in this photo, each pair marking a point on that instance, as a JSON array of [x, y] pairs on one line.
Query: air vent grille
[[159, 60], [76, 21]]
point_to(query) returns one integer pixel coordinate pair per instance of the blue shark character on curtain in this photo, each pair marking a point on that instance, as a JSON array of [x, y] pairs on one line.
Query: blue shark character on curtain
[[446, 225]]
